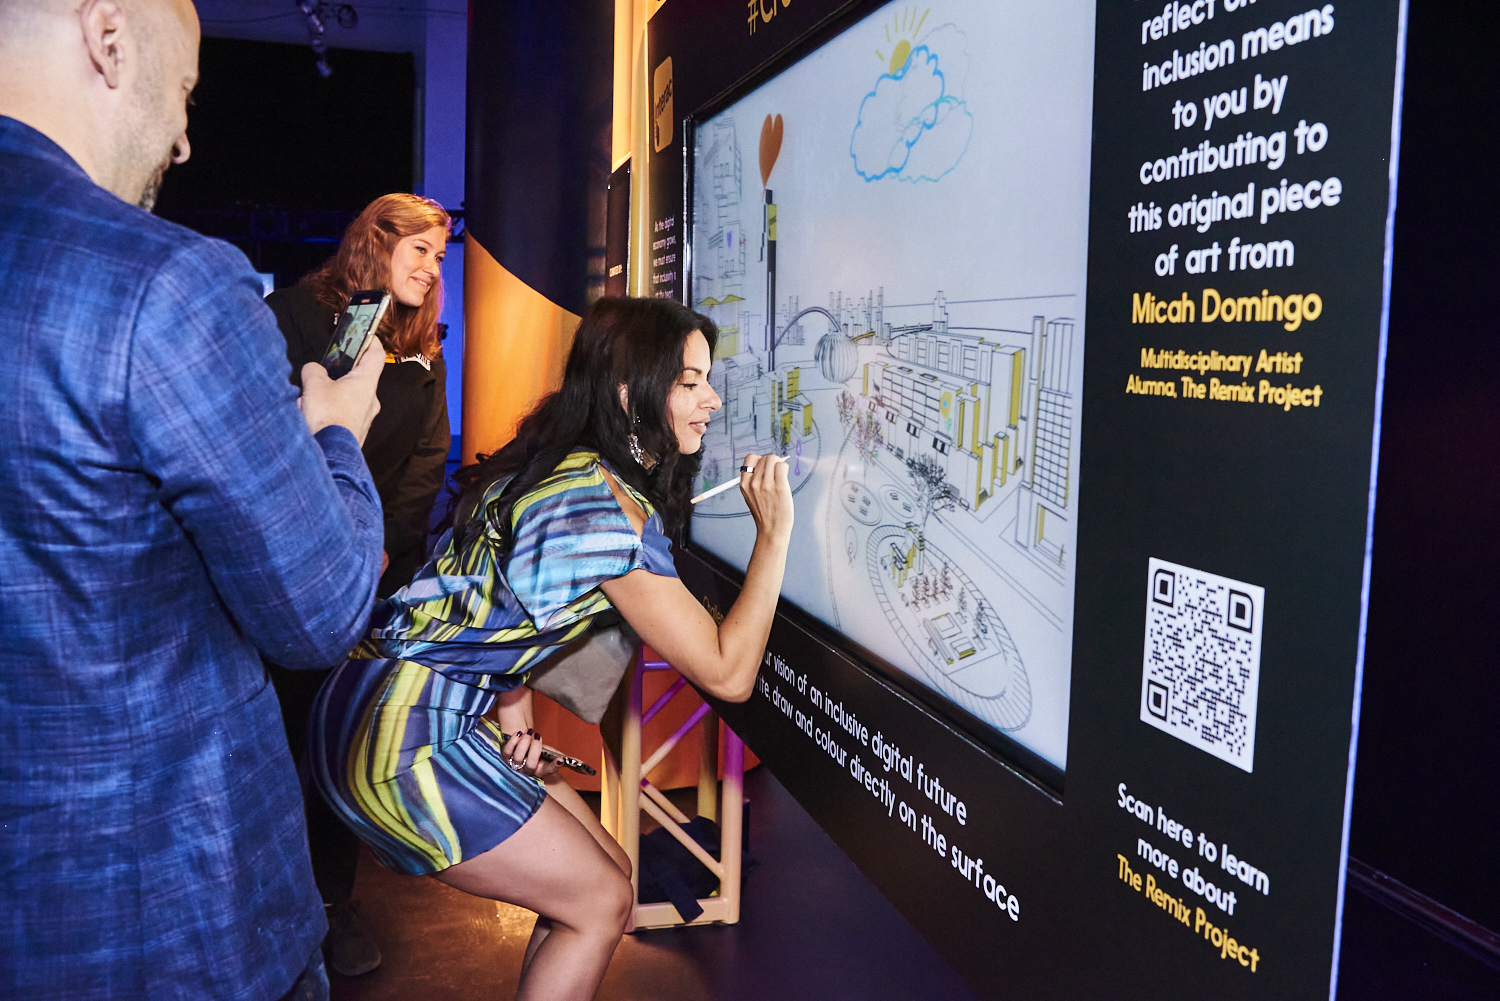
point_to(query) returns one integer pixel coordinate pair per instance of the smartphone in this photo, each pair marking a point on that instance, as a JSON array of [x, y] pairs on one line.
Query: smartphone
[[548, 754], [356, 325]]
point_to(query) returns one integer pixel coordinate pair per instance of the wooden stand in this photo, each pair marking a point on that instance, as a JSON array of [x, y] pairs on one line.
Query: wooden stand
[[624, 782]]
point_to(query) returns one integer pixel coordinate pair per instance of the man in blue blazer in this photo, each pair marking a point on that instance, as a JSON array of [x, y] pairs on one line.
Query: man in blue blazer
[[167, 516]]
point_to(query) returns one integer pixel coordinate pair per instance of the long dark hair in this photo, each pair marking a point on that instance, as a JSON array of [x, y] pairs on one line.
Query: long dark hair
[[638, 342]]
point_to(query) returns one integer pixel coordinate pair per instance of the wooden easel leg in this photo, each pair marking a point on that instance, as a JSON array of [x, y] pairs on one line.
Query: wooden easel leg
[[630, 783], [732, 827], [708, 768], [609, 793]]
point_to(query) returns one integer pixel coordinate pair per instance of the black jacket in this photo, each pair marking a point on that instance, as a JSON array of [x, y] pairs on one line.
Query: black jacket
[[407, 447]]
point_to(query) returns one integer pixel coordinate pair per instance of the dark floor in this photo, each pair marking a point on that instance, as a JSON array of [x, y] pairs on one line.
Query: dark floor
[[811, 927]]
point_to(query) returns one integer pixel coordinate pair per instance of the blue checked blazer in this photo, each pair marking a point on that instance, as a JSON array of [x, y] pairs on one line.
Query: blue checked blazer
[[165, 519]]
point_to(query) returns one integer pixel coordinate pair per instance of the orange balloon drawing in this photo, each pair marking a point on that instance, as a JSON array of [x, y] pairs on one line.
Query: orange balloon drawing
[[770, 147]]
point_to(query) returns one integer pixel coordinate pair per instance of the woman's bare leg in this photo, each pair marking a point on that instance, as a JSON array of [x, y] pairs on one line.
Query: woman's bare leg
[[554, 866], [539, 933], [568, 799]]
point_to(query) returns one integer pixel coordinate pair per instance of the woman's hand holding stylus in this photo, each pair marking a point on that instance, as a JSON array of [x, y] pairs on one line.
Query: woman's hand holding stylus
[[765, 482]]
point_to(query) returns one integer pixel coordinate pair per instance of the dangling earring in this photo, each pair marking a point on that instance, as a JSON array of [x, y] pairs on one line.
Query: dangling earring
[[637, 453]]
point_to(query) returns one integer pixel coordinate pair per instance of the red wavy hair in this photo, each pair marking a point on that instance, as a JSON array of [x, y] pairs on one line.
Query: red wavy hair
[[363, 262]]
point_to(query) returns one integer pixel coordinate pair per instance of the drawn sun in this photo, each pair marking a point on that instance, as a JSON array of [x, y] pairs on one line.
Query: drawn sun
[[899, 35]]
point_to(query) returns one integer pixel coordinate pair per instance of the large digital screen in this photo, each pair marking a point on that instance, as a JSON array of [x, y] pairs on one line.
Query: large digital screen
[[891, 235]]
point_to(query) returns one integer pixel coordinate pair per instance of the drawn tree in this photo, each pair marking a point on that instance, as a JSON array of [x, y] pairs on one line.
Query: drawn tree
[[848, 410], [930, 484], [861, 426], [869, 439]]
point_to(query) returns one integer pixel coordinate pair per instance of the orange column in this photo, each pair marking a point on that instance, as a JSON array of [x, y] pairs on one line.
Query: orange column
[[516, 341]]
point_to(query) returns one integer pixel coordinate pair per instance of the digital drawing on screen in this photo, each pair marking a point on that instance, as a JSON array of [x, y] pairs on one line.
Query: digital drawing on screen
[[891, 236]]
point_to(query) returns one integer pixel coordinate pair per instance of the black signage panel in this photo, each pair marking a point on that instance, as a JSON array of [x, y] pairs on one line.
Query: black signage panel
[[1071, 323], [1230, 413], [966, 845]]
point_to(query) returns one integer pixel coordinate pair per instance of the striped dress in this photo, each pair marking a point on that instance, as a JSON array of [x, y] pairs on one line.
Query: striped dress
[[397, 742]]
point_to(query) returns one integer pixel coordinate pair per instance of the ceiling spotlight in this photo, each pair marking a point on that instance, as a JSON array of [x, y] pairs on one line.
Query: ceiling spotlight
[[315, 11]]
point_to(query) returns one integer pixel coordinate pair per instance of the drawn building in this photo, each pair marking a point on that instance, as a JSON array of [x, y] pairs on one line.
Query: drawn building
[[993, 408], [1047, 485], [720, 268], [861, 318], [727, 314], [761, 415]]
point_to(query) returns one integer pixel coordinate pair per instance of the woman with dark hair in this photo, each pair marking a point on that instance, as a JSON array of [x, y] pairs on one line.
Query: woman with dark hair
[[397, 244], [559, 531]]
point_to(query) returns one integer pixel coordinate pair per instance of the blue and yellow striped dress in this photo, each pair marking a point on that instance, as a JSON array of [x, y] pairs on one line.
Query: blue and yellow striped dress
[[398, 744]]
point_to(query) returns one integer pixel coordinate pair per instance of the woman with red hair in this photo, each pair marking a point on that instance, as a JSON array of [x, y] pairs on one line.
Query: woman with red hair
[[397, 244]]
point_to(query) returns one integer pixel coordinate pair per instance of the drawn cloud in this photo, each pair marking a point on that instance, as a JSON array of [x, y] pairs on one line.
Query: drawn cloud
[[910, 126]]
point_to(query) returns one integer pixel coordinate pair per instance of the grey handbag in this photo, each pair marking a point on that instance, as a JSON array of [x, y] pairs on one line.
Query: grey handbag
[[582, 677]]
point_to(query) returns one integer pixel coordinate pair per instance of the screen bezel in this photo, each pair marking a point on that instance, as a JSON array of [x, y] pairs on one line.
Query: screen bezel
[[1015, 756]]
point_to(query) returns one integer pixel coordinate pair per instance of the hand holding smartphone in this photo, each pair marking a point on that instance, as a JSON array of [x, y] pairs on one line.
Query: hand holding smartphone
[[355, 327], [328, 398], [548, 754]]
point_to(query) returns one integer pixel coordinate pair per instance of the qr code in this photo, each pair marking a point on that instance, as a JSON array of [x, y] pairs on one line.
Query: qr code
[[1202, 660]]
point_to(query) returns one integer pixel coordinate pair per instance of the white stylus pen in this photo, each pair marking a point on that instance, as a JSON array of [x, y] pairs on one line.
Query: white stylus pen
[[715, 491]]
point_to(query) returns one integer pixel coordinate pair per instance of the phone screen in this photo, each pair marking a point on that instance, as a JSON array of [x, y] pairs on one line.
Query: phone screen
[[356, 324]]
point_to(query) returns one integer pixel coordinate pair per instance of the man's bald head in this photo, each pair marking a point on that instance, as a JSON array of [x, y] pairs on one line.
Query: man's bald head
[[156, 15], [107, 80]]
